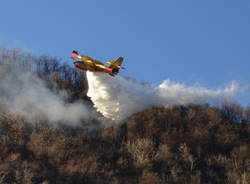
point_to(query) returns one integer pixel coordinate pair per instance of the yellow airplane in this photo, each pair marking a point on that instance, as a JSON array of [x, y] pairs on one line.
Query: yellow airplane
[[87, 63]]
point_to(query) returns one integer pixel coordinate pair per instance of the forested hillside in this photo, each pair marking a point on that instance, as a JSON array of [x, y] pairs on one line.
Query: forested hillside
[[179, 144]]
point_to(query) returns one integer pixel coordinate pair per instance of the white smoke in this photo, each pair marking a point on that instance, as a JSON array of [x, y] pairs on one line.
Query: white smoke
[[25, 93], [117, 97]]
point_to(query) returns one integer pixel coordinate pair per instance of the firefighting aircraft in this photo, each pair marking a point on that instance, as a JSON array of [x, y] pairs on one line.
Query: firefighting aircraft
[[87, 63]]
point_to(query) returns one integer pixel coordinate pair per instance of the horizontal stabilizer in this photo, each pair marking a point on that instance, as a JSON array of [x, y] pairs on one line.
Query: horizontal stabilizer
[[116, 64]]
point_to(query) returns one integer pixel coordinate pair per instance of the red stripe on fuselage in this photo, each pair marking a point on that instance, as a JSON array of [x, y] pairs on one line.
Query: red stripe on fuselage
[[108, 69]]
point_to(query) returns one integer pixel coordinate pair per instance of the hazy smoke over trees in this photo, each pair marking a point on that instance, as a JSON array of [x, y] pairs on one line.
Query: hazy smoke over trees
[[23, 90], [42, 87]]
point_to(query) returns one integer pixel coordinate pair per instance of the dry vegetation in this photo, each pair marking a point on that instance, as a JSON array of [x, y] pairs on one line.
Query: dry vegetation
[[155, 146], [193, 144]]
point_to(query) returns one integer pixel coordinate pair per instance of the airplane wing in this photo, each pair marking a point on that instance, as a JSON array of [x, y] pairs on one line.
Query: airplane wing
[[100, 65]]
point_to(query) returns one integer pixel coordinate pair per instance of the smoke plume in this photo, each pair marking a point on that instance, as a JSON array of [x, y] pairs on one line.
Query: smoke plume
[[23, 92], [117, 97]]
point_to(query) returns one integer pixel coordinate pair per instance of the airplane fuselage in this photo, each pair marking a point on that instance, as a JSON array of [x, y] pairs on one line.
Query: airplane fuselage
[[91, 66]]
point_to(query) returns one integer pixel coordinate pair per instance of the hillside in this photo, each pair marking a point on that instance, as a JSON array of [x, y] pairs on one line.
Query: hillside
[[179, 144], [195, 144]]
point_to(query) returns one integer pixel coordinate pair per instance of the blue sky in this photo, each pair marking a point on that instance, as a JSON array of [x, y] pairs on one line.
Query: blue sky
[[188, 41]]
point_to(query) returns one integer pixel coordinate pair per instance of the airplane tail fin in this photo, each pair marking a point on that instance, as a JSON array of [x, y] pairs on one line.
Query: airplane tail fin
[[116, 65]]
